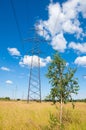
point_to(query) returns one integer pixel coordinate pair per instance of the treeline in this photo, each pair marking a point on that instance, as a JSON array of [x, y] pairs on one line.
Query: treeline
[[45, 100], [80, 100], [5, 98], [74, 100], [8, 99]]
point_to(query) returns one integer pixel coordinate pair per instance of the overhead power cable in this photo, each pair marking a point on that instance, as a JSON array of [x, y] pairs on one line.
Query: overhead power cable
[[17, 23]]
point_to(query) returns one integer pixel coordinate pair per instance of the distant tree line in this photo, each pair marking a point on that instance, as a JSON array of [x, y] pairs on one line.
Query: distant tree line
[[49, 99], [5, 98], [79, 100], [8, 99]]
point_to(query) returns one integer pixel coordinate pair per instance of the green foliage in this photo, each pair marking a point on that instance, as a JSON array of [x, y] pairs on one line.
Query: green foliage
[[80, 100], [48, 98], [62, 79], [5, 98], [53, 121], [70, 117], [18, 99]]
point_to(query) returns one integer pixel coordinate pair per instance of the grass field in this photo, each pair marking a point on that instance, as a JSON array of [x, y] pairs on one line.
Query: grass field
[[35, 116]]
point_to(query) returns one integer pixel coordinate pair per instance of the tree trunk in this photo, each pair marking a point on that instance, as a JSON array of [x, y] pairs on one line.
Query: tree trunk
[[61, 106]]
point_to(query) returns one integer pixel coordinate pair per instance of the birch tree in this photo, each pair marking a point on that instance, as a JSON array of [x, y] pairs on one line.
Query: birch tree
[[62, 80]]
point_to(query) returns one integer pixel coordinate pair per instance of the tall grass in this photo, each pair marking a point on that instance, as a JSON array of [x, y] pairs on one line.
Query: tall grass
[[36, 116], [73, 119]]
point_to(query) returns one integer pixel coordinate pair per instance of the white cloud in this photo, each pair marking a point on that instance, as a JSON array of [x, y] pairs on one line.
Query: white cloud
[[59, 43], [78, 46], [82, 7], [5, 68], [72, 27], [26, 61], [63, 19], [84, 76], [67, 64], [13, 51], [81, 61], [8, 82]]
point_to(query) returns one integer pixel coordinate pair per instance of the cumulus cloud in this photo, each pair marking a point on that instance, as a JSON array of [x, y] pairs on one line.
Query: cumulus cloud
[[26, 61], [13, 51], [84, 76], [82, 7], [63, 19], [78, 46], [8, 82], [59, 43], [81, 61], [67, 64], [5, 68]]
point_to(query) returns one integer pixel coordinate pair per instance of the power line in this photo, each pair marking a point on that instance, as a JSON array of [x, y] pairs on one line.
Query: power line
[[17, 23]]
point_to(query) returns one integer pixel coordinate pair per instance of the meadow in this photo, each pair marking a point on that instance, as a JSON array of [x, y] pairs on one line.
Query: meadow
[[18, 115]]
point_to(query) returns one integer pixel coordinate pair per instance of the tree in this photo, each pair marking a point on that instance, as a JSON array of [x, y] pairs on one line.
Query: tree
[[62, 80]]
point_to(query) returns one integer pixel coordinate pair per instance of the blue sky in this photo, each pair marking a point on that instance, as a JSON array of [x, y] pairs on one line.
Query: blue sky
[[63, 22]]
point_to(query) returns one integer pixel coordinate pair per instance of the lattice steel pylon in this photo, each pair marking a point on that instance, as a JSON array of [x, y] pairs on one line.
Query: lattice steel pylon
[[34, 88]]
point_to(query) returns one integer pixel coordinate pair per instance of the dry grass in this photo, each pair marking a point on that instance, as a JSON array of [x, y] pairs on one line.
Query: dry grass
[[23, 116]]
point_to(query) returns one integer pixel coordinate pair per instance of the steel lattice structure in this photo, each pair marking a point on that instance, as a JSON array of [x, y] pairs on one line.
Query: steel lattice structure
[[34, 88]]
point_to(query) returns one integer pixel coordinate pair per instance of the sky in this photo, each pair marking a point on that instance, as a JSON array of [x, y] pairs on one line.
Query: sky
[[64, 30]]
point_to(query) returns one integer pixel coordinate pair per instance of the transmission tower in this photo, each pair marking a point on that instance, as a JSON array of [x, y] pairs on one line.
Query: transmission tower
[[34, 88]]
